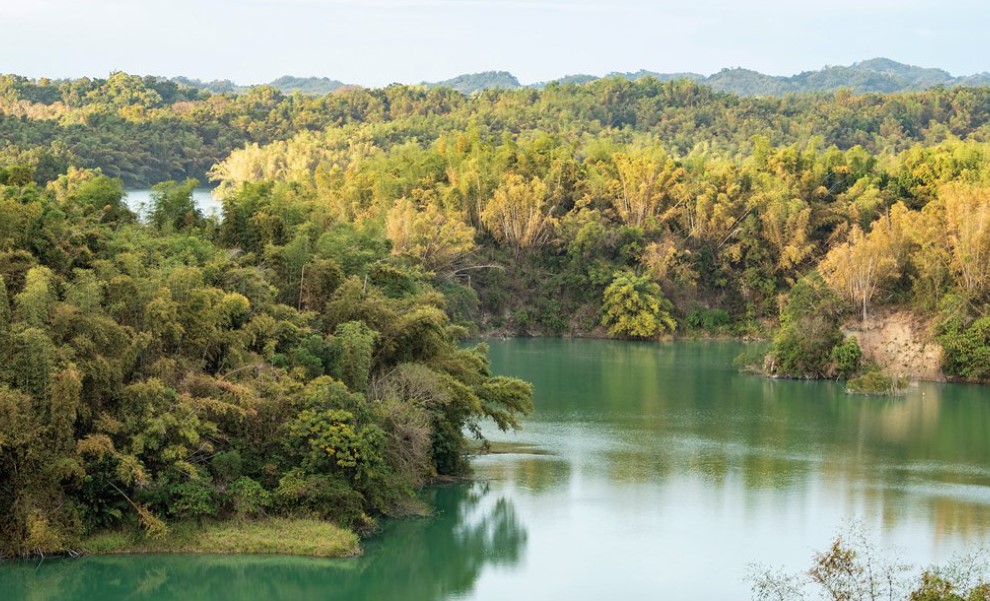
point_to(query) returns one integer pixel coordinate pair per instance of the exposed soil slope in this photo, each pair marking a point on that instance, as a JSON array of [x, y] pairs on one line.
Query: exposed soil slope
[[899, 342]]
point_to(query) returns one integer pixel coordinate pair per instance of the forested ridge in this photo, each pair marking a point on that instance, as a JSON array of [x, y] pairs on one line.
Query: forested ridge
[[302, 355], [144, 130]]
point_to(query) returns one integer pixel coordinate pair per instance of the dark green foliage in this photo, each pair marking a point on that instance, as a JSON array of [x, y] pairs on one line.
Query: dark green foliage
[[809, 343], [713, 321], [846, 357], [965, 341], [193, 499], [148, 374], [322, 496], [248, 498], [226, 467]]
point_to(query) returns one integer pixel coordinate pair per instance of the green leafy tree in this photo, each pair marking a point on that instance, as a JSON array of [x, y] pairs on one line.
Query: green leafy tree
[[809, 342], [172, 206], [37, 300], [634, 306], [352, 345]]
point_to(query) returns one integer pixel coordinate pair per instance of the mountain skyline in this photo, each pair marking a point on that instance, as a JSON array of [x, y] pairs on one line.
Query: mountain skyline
[[375, 42], [879, 75]]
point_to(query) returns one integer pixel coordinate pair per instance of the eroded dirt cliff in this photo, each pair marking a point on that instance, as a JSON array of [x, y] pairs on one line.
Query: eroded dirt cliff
[[900, 342]]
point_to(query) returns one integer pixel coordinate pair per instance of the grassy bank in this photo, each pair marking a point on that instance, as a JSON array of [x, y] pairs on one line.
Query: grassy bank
[[275, 536]]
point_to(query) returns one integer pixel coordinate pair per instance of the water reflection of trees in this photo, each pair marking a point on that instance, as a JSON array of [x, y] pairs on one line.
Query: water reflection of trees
[[417, 560], [536, 473], [680, 411]]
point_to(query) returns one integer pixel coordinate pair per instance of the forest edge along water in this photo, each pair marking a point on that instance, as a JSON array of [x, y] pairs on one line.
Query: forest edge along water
[[303, 355], [645, 469]]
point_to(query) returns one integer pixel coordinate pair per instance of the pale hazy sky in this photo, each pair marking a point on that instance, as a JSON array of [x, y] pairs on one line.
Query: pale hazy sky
[[376, 42]]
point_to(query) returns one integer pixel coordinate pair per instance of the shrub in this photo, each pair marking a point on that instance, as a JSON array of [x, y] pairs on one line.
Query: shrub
[[226, 466], [248, 498], [320, 495], [634, 306], [193, 499], [875, 382], [809, 332], [709, 320], [846, 357], [966, 347]]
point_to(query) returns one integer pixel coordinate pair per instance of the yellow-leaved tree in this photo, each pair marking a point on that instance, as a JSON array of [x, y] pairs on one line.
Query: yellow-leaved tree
[[858, 267], [431, 236], [519, 213], [967, 232], [651, 186], [786, 227]]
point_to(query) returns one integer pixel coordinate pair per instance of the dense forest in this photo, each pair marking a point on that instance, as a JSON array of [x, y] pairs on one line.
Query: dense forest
[[180, 370], [303, 354], [147, 130]]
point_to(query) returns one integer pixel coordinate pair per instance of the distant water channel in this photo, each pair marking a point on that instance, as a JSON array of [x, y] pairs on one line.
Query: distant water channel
[[139, 199], [648, 471]]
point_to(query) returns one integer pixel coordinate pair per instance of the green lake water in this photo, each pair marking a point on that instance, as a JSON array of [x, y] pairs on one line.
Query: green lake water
[[648, 471]]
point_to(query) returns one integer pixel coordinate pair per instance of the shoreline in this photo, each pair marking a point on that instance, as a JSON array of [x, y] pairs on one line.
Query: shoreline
[[501, 334], [268, 536]]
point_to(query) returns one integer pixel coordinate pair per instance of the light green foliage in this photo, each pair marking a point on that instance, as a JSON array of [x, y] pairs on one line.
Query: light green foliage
[[875, 382], [504, 399], [94, 192], [634, 306], [35, 302], [85, 291], [29, 361], [172, 207], [352, 345], [4, 310], [335, 433], [248, 497]]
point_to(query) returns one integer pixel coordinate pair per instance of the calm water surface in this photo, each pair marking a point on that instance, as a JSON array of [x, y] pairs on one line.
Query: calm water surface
[[648, 471]]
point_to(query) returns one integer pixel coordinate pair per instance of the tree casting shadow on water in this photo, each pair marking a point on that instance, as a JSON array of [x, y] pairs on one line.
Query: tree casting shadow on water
[[415, 560]]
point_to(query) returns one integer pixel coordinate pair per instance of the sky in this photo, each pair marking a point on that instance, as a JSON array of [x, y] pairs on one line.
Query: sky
[[378, 42]]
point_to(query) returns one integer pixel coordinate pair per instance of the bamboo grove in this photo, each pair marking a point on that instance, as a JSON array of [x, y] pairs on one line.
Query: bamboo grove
[[303, 353]]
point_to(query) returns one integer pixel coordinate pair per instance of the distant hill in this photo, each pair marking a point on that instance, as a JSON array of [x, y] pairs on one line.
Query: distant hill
[[287, 84], [473, 82], [875, 75], [217, 86], [316, 86]]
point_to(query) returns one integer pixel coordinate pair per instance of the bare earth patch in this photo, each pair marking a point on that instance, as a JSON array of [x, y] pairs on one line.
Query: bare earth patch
[[900, 343]]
